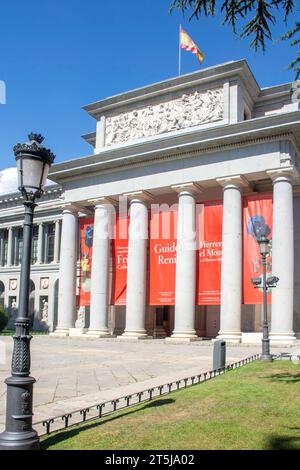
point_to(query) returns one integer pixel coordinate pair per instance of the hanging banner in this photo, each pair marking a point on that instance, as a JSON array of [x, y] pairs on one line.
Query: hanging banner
[[209, 253], [86, 252], [257, 214], [119, 261], [163, 229]]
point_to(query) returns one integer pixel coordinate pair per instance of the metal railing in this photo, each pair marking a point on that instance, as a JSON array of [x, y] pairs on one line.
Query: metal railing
[[101, 410]]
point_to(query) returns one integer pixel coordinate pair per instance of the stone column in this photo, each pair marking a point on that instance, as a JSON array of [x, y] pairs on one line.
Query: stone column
[[231, 271], [57, 241], [10, 246], [282, 258], [185, 287], [67, 271], [100, 269], [137, 267], [41, 240]]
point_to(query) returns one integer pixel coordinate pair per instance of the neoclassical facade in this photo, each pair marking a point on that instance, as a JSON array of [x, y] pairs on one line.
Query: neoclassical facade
[[45, 256], [213, 135]]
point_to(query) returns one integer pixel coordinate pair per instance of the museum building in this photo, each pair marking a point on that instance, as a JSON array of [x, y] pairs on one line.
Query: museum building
[[154, 234]]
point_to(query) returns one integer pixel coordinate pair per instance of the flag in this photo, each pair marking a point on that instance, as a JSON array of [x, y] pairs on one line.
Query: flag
[[188, 44]]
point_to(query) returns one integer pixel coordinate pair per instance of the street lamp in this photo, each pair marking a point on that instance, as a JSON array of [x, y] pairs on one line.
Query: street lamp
[[263, 242], [33, 164]]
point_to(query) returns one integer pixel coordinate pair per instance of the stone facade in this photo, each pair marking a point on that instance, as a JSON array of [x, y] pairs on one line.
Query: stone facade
[[210, 135]]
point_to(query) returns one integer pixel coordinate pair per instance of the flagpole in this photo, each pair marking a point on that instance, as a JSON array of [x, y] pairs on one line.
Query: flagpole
[[179, 53]]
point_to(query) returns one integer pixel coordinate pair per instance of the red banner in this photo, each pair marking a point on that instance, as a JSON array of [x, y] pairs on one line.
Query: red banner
[[86, 251], [119, 261], [163, 229], [209, 229], [257, 213]]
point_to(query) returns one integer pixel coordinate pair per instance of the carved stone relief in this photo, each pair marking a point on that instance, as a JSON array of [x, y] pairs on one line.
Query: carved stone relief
[[186, 111]]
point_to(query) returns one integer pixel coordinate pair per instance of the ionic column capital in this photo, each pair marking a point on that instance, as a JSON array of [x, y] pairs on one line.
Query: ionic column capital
[[234, 182], [283, 174], [139, 196], [102, 201], [187, 188], [69, 207]]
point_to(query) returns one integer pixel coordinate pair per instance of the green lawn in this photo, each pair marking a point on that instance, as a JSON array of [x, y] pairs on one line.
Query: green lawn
[[255, 407]]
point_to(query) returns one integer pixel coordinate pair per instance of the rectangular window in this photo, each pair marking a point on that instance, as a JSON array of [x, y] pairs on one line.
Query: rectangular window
[[18, 246], [3, 246], [35, 238], [50, 237]]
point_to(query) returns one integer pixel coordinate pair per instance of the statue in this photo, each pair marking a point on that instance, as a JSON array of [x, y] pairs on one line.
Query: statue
[[45, 311], [13, 311], [187, 110]]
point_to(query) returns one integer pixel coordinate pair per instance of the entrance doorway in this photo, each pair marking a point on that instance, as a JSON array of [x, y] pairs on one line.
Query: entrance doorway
[[164, 321], [212, 321]]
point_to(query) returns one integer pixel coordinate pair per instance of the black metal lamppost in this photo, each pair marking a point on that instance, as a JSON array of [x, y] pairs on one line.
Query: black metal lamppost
[[33, 164], [267, 283]]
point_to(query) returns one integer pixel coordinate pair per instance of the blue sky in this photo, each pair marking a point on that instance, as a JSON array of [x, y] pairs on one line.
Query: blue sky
[[58, 55]]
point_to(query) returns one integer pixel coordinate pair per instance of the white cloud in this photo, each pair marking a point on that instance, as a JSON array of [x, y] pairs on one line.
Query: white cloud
[[9, 181]]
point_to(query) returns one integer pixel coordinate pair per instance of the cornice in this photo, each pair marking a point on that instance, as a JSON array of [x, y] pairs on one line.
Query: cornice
[[16, 199], [253, 132], [205, 76]]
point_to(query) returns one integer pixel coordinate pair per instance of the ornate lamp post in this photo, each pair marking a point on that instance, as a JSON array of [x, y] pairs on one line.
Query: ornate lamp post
[[33, 164], [267, 283], [264, 251]]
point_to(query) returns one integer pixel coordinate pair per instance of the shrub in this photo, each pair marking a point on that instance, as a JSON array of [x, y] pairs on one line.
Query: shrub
[[3, 318]]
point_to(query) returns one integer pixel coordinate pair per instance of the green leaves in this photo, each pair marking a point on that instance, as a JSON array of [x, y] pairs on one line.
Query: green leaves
[[292, 34], [259, 26]]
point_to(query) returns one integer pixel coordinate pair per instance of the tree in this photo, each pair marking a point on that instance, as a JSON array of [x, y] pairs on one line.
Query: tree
[[3, 318], [249, 18]]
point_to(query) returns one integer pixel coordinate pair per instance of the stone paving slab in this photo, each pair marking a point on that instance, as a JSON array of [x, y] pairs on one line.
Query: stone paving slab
[[77, 372]]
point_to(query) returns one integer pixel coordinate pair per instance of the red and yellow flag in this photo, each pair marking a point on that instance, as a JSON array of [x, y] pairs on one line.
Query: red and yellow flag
[[188, 44]]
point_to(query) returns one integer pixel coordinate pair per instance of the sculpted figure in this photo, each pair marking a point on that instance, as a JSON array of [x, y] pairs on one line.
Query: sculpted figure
[[191, 109], [45, 311]]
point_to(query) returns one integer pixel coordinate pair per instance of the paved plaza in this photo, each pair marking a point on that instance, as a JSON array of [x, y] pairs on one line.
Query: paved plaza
[[76, 372]]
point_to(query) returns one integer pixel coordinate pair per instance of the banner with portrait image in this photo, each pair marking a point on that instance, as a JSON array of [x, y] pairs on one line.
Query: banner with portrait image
[[257, 216], [86, 252]]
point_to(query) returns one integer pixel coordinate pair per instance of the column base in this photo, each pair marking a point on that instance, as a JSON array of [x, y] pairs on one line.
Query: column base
[[77, 331], [134, 335], [94, 333], [60, 332], [283, 339], [230, 337], [182, 337]]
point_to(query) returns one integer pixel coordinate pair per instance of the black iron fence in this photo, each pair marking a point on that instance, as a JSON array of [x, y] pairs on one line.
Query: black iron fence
[[101, 410]]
